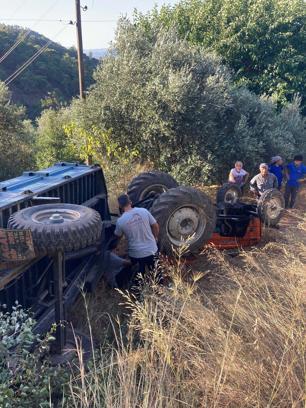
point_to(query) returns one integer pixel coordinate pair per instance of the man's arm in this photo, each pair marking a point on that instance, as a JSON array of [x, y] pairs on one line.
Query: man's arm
[[275, 182], [118, 231], [286, 173], [155, 230], [231, 178], [253, 185]]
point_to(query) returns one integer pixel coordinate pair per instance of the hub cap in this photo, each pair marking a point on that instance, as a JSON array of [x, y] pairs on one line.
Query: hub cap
[[184, 223], [231, 196], [273, 208], [55, 216]]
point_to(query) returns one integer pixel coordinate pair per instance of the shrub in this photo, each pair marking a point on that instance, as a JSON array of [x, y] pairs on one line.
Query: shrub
[[16, 137], [26, 378]]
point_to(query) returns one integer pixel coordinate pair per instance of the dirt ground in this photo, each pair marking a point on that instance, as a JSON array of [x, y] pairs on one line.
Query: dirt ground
[[105, 307]]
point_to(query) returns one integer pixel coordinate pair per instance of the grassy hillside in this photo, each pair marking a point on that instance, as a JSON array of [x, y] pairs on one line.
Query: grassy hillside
[[229, 332], [54, 72]]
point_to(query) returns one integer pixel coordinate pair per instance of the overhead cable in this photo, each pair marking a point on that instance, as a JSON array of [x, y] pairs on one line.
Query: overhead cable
[[25, 35], [18, 71]]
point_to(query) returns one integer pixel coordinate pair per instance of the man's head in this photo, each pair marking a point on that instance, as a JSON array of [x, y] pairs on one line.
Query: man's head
[[124, 202], [298, 159], [277, 160], [264, 169], [238, 165]]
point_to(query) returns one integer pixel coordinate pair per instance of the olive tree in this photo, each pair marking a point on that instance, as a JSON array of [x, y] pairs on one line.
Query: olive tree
[[178, 106], [262, 41]]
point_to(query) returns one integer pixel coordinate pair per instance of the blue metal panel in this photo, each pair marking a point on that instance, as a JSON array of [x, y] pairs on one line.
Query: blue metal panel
[[70, 182], [35, 183]]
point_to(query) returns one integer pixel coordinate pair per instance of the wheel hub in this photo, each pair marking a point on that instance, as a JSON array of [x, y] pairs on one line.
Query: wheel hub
[[184, 223], [231, 196], [273, 208], [58, 216]]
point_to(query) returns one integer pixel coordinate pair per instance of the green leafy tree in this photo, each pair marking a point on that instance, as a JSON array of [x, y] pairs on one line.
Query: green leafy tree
[[16, 138], [177, 105], [52, 142], [263, 41]]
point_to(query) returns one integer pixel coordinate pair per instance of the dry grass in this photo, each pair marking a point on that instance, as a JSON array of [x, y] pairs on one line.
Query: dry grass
[[233, 338]]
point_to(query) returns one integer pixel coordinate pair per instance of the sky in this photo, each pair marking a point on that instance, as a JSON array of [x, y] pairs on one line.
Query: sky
[[98, 22]]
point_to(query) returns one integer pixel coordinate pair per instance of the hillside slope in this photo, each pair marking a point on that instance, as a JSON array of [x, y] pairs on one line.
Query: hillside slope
[[54, 72]]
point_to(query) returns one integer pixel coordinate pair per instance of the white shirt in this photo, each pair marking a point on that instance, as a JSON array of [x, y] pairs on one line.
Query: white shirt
[[238, 175], [136, 226]]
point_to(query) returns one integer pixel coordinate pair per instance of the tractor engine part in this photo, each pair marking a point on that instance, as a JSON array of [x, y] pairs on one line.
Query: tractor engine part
[[229, 193]]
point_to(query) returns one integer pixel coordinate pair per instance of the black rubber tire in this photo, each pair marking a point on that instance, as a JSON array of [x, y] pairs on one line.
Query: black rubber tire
[[185, 199], [264, 206], [224, 191], [149, 183], [82, 230]]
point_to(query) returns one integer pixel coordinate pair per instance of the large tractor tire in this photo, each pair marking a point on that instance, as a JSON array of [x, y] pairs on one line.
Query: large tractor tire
[[186, 216], [229, 193], [271, 206], [59, 227], [149, 185]]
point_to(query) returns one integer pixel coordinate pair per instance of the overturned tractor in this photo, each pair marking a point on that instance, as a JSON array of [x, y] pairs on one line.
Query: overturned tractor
[[186, 214]]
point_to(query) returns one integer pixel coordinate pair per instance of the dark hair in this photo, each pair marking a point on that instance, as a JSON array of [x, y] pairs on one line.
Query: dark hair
[[123, 200], [298, 157]]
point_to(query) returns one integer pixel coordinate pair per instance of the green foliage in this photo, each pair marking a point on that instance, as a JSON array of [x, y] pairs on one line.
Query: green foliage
[[263, 41], [177, 106], [16, 138], [54, 72], [52, 143], [26, 378]]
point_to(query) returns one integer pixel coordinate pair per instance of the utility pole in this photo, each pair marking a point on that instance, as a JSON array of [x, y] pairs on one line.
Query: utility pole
[[80, 48]]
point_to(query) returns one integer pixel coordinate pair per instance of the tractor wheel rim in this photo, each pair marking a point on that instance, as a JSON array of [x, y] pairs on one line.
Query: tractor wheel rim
[[185, 225], [273, 208], [231, 196], [153, 190], [55, 216]]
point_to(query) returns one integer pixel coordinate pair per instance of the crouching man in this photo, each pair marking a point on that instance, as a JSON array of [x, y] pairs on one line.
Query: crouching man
[[263, 181], [141, 231]]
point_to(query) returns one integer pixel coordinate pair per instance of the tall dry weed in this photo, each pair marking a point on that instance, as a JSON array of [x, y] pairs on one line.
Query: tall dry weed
[[235, 338]]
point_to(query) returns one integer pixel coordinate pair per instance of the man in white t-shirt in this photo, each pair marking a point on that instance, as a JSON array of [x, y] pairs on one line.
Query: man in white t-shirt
[[238, 175], [141, 231]]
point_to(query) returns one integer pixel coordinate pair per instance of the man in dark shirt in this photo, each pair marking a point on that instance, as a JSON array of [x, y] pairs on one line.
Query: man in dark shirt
[[294, 172], [276, 167]]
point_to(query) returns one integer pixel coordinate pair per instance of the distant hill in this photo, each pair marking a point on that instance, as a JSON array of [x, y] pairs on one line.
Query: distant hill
[[96, 52], [54, 73]]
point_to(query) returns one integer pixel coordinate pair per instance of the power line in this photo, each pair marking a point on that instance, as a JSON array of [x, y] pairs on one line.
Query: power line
[[57, 20], [25, 35], [18, 71], [10, 50]]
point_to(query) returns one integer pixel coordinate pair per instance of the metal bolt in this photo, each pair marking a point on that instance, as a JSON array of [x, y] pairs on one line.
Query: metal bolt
[[56, 219]]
